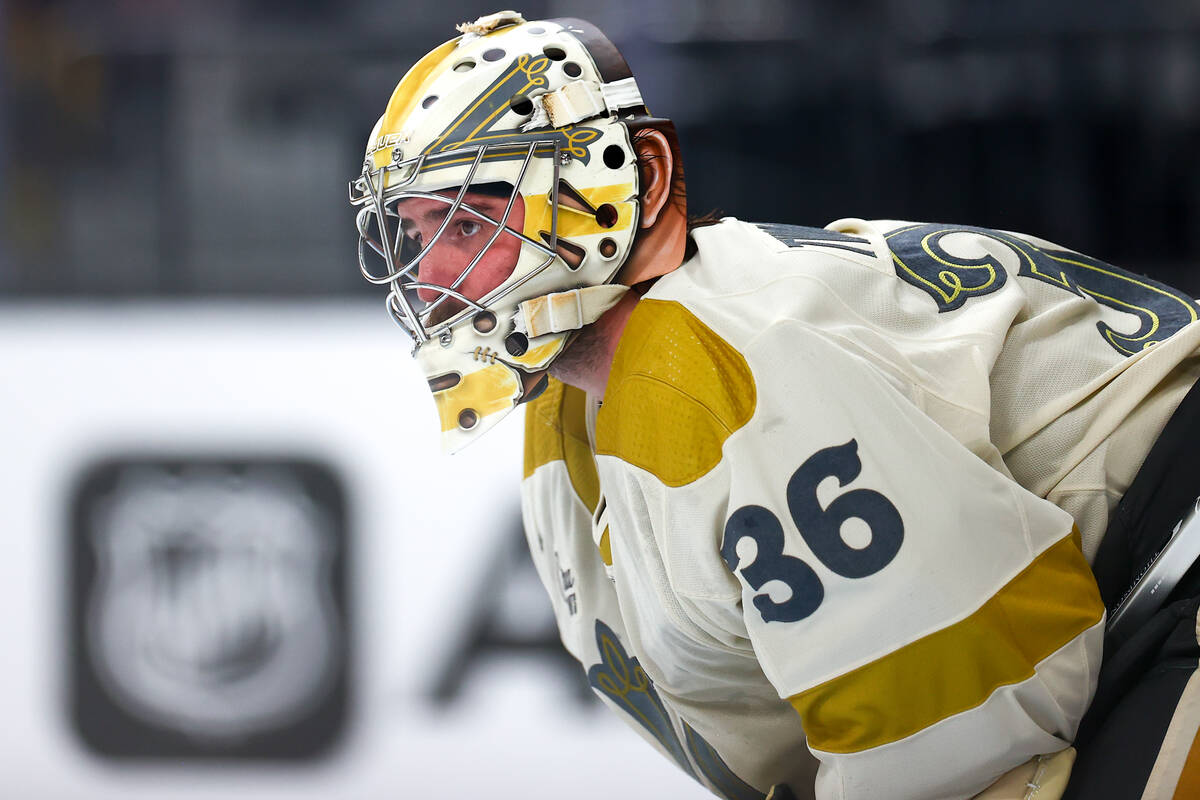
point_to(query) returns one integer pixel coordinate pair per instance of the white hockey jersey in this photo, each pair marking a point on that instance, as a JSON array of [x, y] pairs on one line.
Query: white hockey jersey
[[840, 497]]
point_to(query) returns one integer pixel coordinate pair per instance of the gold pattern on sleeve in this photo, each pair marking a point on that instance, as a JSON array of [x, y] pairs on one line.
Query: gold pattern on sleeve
[[676, 392], [556, 430], [1042, 609]]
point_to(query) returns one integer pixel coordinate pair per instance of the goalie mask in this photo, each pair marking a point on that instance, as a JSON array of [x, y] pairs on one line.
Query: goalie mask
[[497, 201]]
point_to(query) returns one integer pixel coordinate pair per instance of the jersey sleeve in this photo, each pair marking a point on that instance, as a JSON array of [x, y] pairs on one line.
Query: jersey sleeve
[[932, 623]]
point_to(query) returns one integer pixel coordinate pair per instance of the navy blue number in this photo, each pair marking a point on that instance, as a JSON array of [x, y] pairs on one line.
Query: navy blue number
[[770, 564], [821, 528]]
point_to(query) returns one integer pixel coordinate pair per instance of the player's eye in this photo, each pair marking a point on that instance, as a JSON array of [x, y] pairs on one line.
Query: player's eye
[[468, 227]]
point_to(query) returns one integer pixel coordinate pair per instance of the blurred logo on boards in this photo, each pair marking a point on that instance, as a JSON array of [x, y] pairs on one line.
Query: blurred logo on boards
[[209, 614]]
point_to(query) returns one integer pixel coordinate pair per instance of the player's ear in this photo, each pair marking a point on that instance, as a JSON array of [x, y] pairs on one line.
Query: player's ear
[[656, 163]]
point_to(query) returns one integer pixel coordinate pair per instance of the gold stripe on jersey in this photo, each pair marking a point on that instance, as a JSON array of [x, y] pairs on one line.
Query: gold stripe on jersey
[[543, 431], [556, 430], [953, 670], [676, 392], [1189, 778], [605, 547]]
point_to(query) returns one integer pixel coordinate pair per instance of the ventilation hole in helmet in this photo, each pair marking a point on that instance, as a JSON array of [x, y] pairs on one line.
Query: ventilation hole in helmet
[[467, 419], [535, 30], [521, 105], [606, 215], [484, 322], [572, 69], [516, 344], [443, 382], [428, 101], [571, 253], [614, 157], [465, 65], [495, 54], [569, 197], [608, 247], [554, 53]]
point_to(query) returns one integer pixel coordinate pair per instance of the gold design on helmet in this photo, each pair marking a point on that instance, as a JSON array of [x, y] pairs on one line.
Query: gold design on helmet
[[574, 222], [485, 391], [411, 86], [537, 356], [531, 67], [576, 138]]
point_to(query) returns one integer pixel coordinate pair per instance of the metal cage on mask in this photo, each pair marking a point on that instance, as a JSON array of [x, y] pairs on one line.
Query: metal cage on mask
[[523, 128], [402, 254]]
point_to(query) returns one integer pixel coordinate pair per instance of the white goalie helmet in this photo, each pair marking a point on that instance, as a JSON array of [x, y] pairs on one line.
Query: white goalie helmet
[[498, 200]]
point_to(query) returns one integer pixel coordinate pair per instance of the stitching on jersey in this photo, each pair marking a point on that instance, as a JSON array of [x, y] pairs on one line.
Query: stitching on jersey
[[694, 400], [645, 426], [1012, 492]]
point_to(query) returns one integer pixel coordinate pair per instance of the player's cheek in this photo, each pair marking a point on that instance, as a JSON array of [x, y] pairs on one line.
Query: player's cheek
[[491, 271], [500, 259], [452, 253], [507, 247]]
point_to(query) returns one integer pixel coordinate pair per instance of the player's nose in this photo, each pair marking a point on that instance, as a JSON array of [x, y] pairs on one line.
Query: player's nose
[[438, 268]]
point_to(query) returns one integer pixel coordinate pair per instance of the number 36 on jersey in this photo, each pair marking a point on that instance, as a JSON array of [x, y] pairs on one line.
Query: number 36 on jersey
[[821, 529]]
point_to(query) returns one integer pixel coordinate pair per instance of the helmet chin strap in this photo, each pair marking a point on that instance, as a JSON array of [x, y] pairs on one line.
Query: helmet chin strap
[[566, 311]]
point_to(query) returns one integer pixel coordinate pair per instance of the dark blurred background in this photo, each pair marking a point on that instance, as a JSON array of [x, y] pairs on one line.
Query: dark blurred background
[[163, 148]]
